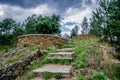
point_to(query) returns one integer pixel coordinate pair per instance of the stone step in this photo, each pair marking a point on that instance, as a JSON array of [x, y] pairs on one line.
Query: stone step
[[53, 69], [66, 50], [61, 55]]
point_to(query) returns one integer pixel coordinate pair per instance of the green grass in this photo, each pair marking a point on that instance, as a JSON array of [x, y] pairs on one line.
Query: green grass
[[67, 44], [51, 49], [47, 75], [16, 57], [58, 76], [80, 77], [98, 76], [81, 51], [39, 63], [32, 48]]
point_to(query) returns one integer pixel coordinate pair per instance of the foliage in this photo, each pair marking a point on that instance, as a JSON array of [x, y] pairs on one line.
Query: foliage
[[74, 31], [81, 51], [105, 21], [80, 77], [42, 25], [16, 57], [98, 76], [39, 63], [58, 76], [46, 75], [84, 25]]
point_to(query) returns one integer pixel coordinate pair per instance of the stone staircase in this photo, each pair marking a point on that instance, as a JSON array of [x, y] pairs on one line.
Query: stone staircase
[[60, 54]]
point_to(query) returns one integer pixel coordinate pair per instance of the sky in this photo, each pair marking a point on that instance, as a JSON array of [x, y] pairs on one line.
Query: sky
[[72, 12]]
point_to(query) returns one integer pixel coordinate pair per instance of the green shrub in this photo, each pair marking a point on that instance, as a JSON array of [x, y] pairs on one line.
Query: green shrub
[[80, 77], [30, 75], [58, 76], [116, 70], [98, 76], [46, 75]]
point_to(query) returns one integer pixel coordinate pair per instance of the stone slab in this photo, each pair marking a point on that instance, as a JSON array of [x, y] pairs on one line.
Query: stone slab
[[66, 50], [54, 68], [61, 55]]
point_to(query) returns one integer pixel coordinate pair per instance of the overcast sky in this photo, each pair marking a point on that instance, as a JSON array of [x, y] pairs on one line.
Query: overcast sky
[[72, 12]]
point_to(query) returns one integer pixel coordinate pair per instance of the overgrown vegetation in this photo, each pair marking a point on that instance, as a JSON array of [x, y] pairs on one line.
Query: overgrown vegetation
[[16, 57], [98, 76], [81, 51]]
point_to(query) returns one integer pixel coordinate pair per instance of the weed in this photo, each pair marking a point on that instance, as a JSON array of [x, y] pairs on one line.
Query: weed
[[58, 76], [16, 57], [46, 75]]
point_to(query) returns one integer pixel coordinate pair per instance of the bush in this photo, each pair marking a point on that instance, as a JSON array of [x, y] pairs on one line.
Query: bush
[[46, 75], [98, 76], [80, 77], [58, 76], [116, 70]]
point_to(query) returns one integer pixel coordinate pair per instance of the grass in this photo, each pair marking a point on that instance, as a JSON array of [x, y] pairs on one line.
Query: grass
[[58, 76], [81, 51], [32, 48], [98, 76], [39, 63], [80, 77], [67, 44], [16, 57], [51, 49], [47, 75]]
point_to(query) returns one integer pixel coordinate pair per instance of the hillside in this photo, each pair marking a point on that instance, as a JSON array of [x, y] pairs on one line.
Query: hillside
[[86, 59]]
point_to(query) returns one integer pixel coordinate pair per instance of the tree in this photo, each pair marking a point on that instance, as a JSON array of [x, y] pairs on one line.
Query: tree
[[6, 28], [106, 19], [42, 25], [7, 25], [84, 25], [48, 25], [29, 24], [74, 31]]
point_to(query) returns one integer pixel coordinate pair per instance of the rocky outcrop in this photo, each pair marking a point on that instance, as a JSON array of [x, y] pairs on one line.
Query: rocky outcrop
[[40, 40], [85, 36], [11, 71]]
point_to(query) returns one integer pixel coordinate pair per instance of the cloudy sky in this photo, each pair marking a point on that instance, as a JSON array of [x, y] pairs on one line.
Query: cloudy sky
[[72, 12]]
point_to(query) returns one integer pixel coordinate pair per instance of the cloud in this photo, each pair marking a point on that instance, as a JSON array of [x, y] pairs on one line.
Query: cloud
[[20, 14]]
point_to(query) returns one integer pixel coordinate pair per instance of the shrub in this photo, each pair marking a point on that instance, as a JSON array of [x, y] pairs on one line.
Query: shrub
[[58, 75], [46, 75], [98, 76]]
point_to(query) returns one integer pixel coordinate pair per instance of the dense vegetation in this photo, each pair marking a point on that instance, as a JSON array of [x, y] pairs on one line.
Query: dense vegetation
[[105, 21], [10, 29]]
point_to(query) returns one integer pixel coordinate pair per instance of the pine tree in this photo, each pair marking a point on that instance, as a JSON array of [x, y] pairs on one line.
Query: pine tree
[[84, 25]]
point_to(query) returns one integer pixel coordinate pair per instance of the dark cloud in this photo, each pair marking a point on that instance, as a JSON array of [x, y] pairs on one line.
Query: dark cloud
[[61, 4]]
